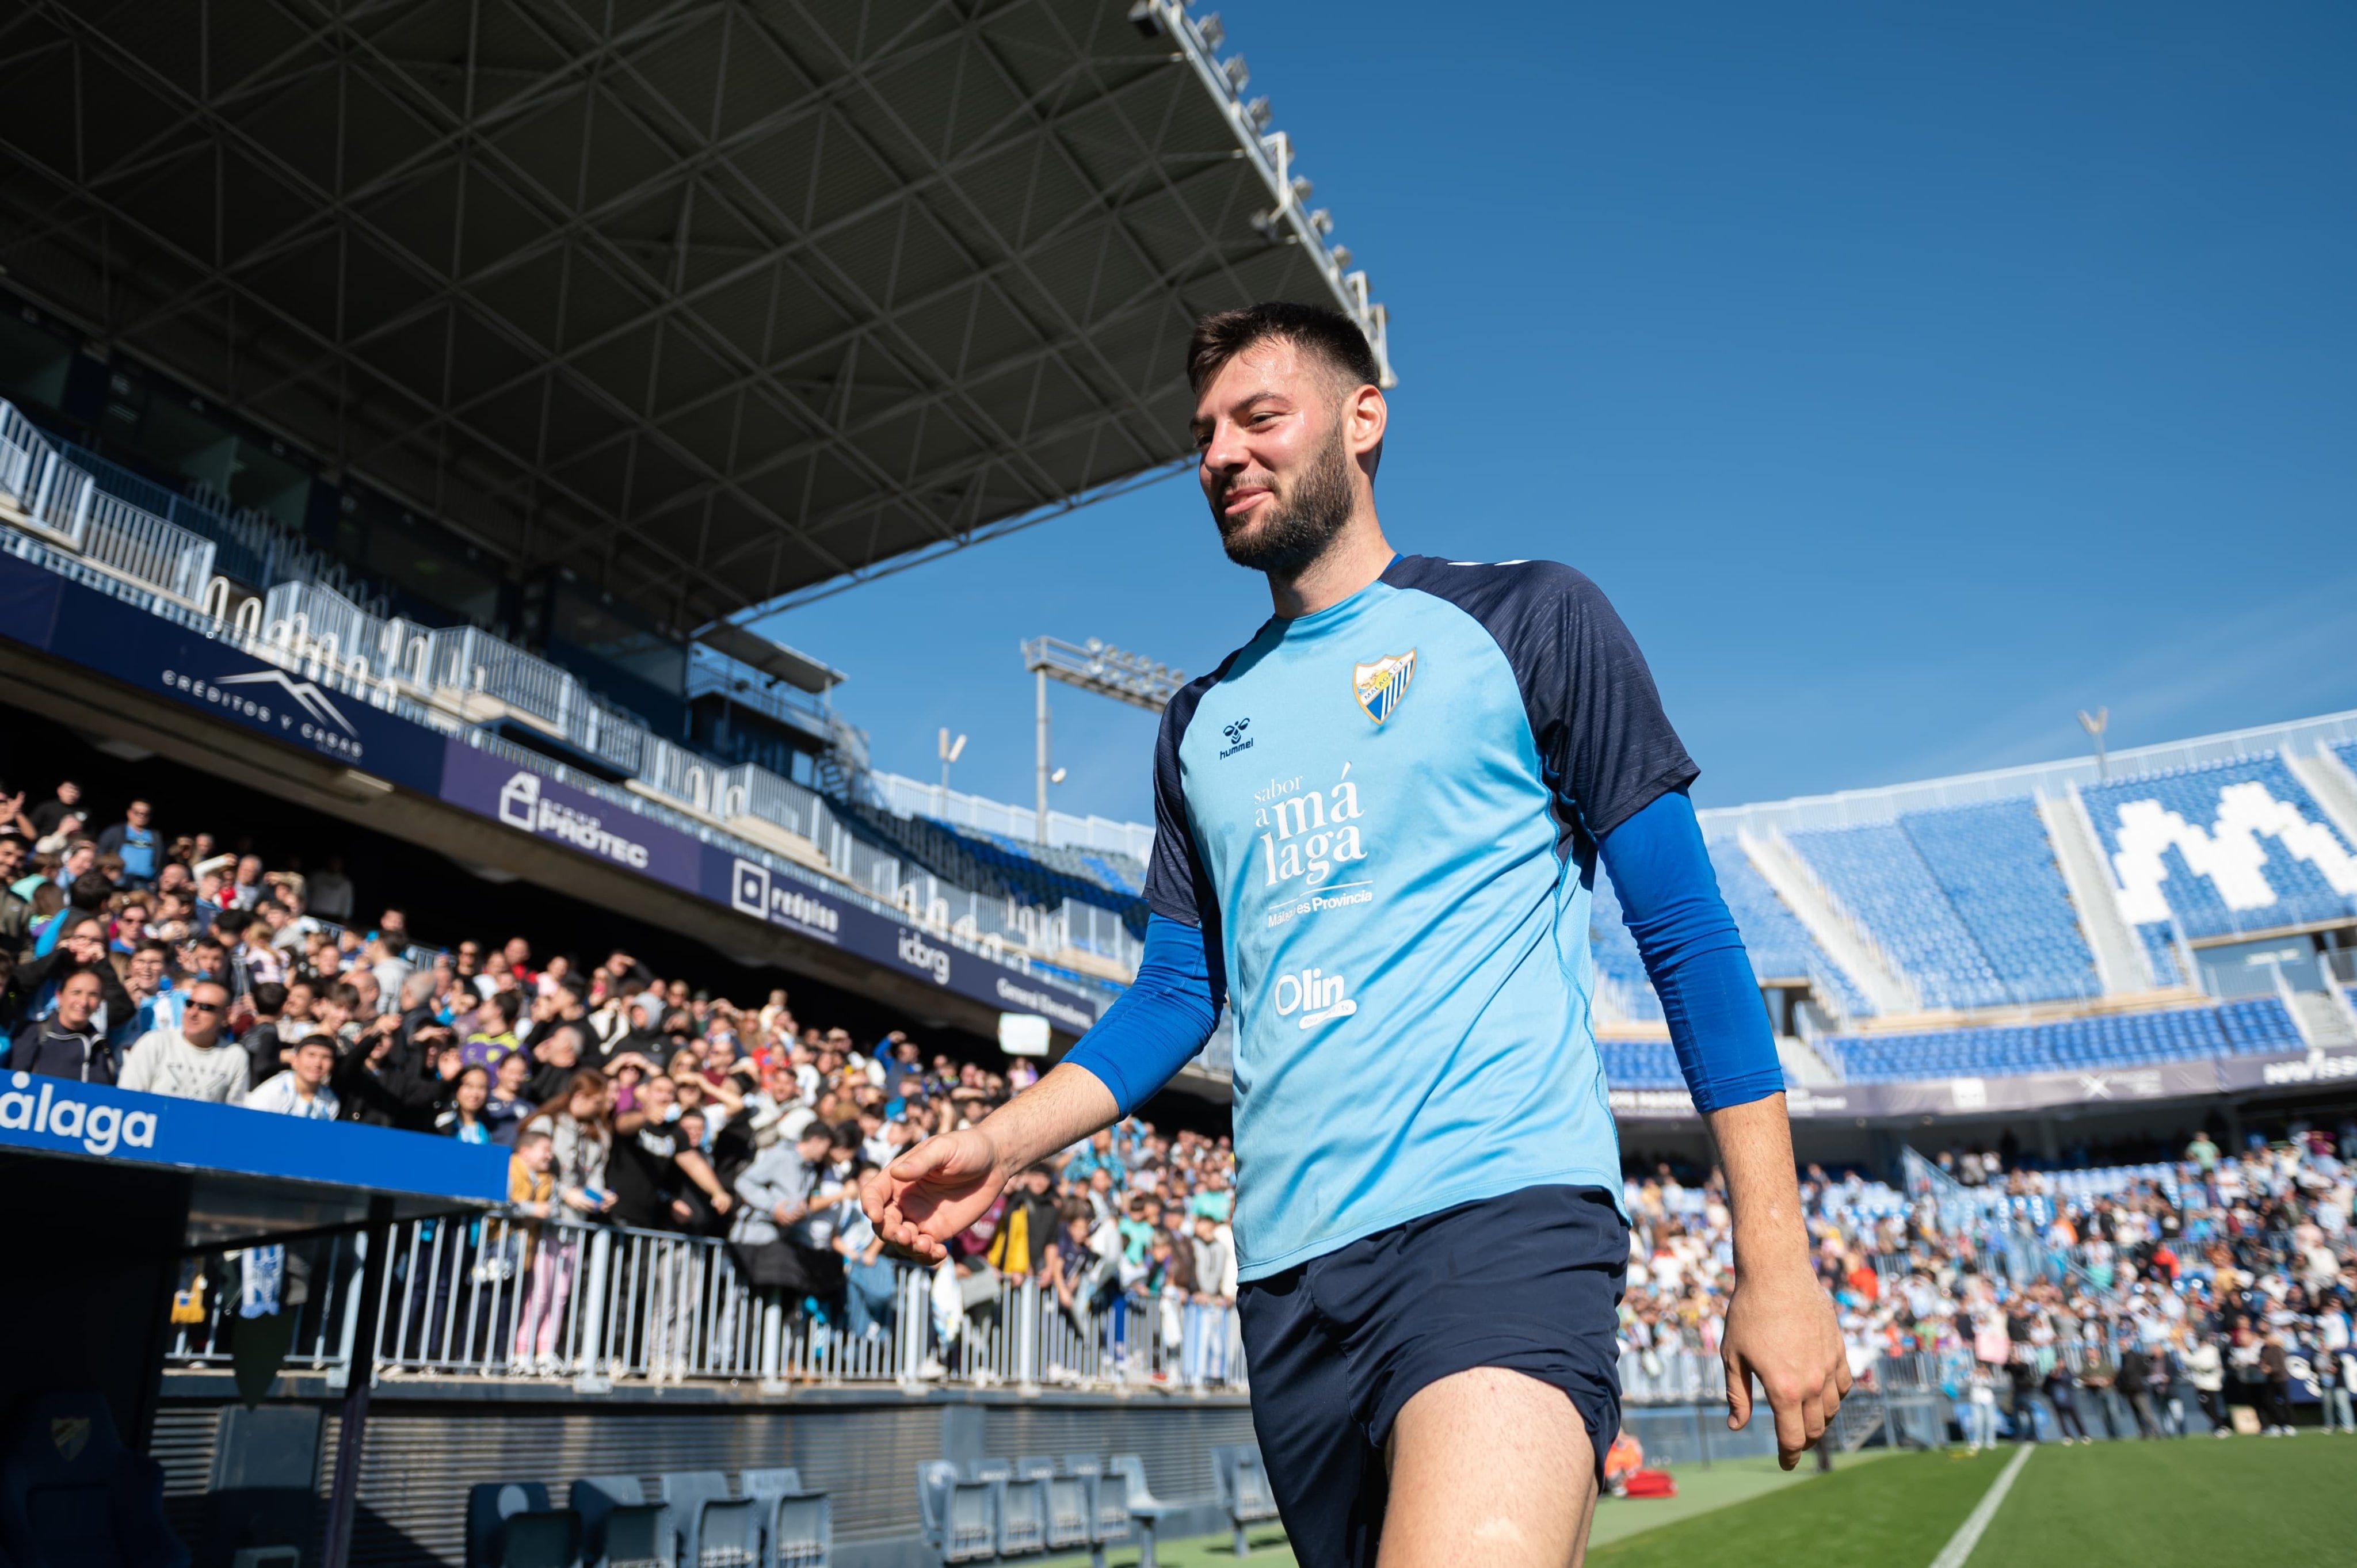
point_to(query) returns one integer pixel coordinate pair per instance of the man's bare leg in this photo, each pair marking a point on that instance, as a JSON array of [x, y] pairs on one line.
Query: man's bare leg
[[1490, 1469]]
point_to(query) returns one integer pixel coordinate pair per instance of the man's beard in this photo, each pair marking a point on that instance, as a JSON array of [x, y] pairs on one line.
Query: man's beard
[[1286, 534]]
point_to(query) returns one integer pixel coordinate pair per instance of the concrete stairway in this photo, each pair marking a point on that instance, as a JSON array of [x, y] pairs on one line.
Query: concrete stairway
[[2323, 1018], [1834, 928], [2120, 960]]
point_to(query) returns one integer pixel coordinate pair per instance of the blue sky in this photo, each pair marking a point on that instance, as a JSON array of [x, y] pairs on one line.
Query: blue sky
[[1911, 378]]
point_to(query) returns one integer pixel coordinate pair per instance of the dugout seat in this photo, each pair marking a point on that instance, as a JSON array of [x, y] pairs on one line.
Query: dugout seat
[[960, 1516], [509, 1524], [71, 1496], [796, 1525], [714, 1528], [1244, 1491], [619, 1525]]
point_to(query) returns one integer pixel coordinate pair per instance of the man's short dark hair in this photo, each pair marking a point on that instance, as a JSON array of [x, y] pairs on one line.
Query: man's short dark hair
[[91, 891], [1328, 334], [269, 997]]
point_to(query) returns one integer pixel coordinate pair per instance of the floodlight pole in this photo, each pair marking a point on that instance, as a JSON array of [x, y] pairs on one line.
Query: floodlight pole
[[1041, 673], [2094, 724], [1094, 666]]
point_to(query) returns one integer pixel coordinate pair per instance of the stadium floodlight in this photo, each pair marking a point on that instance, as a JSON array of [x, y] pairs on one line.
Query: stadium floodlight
[[2094, 724], [950, 750], [1092, 666]]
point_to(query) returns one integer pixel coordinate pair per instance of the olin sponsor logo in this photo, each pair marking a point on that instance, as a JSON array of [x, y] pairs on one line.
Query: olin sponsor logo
[[522, 805], [53, 1111], [1317, 997]]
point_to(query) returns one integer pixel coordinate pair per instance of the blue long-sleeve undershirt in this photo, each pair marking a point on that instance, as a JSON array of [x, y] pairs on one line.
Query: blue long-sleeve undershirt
[[1694, 954], [1155, 1027], [1669, 894]]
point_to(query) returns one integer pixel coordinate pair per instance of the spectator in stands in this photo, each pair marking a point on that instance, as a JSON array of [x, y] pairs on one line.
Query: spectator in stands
[[193, 1061], [1027, 1224], [580, 1132], [133, 841], [558, 1057], [329, 894], [508, 1106], [2274, 1364], [463, 1118], [302, 1089], [776, 1193], [68, 1043], [268, 1052], [16, 910]]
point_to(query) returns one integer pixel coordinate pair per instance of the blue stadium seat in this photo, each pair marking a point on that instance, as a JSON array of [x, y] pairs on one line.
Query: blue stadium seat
[[1244, 1491], [618, 1523], [960, 1516], [797, 1524], [510, 1525], [2255, 1027], [2229, 798], [714, 1528]]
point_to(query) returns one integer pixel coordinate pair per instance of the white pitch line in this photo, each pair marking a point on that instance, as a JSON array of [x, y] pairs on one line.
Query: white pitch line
[[1968, 1534]]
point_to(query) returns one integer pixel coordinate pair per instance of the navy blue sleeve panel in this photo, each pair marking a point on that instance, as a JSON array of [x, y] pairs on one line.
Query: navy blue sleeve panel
[[1155, 1027], [1607, 745], [1177, 884], [1694, 954]]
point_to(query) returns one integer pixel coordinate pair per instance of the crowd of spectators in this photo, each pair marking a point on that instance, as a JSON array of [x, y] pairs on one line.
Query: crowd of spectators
[[179, 967], [2215, 1283]]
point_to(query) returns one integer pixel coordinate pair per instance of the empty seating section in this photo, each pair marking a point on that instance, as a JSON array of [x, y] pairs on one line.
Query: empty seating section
[[2258, 1026], [1996, 866], [2222, 848], [986, 1510], [769, 1520], [1779, 945], [1874, 870], [991, 862], [1619, 969], [1640, 1064]]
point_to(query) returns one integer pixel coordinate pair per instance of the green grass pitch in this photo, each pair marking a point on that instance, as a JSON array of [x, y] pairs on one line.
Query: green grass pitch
[[2246, 1503]]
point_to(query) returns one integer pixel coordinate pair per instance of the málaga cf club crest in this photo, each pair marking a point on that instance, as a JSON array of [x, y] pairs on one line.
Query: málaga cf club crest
[[1381, 685]]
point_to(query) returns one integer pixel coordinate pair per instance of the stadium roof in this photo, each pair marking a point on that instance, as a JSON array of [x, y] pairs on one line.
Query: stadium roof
[[713, 301]]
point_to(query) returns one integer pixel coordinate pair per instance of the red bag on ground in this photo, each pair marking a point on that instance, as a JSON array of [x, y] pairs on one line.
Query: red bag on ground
[[1652, 1484]]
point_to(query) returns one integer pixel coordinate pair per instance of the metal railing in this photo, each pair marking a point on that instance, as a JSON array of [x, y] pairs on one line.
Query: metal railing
[[499, 1296], [109, 543], [68, 504]]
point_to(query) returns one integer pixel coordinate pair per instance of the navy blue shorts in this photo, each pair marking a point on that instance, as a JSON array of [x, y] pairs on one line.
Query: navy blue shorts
[[1335, 1346]]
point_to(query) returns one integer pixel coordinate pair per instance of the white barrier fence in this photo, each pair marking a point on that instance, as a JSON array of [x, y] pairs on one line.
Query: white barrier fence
[[498, 1296]]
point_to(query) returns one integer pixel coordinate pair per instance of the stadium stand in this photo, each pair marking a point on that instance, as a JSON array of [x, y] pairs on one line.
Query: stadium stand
[[2232, 1028], [2222, 848], [1879, 876], [1032, 873], [1995, 866]]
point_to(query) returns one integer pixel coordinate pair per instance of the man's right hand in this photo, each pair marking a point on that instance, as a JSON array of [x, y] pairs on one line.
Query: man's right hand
[[935, 1190]]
